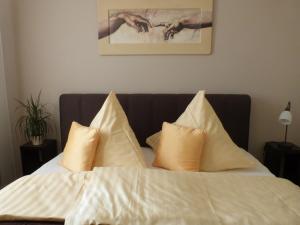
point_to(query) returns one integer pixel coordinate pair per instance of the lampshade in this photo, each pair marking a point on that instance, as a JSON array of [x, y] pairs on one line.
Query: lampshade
[[285, 118]]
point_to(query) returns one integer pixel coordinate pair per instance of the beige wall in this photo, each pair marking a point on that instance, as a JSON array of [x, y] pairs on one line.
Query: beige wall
[[256, 51], [9, 89], [5, 139]]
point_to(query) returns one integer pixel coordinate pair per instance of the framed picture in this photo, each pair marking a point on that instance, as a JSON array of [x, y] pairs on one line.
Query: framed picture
[[138, 27]]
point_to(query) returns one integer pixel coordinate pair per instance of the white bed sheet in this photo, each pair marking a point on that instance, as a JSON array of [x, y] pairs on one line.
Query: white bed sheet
[[53, 166]]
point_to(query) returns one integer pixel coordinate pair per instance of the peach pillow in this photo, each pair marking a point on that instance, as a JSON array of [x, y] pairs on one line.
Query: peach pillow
[[118, 146], [220, 152], [80, 148], [179, 148]]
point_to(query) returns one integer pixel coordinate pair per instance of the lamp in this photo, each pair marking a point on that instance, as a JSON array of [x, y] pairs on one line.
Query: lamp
[[285, 118]]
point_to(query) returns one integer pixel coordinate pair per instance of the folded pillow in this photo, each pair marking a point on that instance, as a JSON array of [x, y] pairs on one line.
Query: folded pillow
[[179, 148], [80, 148], [219, 153], [118, 146]]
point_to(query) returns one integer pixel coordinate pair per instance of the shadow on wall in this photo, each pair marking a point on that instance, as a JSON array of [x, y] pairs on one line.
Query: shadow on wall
[[265, 113]]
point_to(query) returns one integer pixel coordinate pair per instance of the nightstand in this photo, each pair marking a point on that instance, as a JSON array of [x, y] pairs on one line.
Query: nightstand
[[283, 160], [34, 157]]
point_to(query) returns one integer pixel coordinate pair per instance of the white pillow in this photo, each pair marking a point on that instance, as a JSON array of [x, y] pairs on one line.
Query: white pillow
[[118, 145], [219, 153]]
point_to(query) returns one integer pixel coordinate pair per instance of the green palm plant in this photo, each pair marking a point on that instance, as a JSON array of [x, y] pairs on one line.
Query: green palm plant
[[33, 123]]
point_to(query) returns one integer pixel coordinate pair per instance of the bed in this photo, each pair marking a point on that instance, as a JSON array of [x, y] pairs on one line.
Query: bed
[[145, 113], [233, 110]]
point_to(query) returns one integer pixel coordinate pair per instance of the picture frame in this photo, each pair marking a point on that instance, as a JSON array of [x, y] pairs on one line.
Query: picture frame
[[146, 27]]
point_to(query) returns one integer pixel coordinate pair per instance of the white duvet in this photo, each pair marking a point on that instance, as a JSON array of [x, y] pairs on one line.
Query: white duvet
[[136, 196], [128, 196]]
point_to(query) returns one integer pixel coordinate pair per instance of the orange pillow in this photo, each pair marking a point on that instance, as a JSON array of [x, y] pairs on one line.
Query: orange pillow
[[179, 148], [80, 148]]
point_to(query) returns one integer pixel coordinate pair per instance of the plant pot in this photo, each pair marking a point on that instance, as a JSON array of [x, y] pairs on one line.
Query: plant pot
[[37, 140]]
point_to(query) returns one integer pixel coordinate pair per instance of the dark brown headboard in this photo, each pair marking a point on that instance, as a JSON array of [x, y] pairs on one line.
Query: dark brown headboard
[[146, 112]]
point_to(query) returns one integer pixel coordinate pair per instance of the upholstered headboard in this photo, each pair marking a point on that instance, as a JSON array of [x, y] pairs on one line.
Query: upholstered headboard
[[146, 112]]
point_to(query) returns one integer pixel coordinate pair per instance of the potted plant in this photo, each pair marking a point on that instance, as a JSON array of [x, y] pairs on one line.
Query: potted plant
[[33, 122]]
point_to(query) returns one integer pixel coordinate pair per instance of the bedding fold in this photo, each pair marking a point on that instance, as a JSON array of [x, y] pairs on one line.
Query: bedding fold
[[144, 196], [134, 196], [41, 197]]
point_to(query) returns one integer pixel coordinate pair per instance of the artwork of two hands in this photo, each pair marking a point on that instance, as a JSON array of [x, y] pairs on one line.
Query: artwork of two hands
[[142, 25]]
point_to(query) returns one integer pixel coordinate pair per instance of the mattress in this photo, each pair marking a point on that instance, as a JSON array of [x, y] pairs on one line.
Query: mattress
[[53, 166]]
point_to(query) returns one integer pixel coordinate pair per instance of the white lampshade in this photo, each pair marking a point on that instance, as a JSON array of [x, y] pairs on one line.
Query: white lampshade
[[285, 118]]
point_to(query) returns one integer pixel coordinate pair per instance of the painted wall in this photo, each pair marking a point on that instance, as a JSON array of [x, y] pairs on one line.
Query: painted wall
[[9, 89], [5, 139], [256, 51]]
